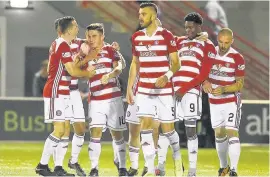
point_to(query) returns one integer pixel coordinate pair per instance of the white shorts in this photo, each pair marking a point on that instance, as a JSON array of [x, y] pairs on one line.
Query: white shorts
[[57, 109], [107, 114], [161, 107], [190, 107], [131, 116], [225, 115], [77, 106]]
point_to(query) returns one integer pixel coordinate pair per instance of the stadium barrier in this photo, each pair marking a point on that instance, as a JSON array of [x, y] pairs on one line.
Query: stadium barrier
[[22, 120]]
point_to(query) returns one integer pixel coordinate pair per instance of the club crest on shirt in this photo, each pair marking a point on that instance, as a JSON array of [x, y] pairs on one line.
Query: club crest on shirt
[[156, 42], [190, 46], [148, 47], [227, 65]]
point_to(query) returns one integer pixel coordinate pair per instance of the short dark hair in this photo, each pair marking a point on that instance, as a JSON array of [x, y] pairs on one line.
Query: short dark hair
[[149, 4], [194, 17], [96, 26], [65, 22], [56, 23]]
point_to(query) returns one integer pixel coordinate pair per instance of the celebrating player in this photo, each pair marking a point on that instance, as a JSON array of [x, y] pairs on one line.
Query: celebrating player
[[150, 48], [225, 82], [57, 107]]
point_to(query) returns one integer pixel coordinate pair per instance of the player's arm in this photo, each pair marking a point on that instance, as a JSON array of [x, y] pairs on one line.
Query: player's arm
[[75, 71], [206, 66], [134, 69], [239, 81]]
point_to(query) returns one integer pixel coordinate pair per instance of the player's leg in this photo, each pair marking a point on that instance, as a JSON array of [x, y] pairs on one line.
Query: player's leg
[[233, 116], [163, 145], [134, 138], [62, 147], [54, 112], [191, 105], [97, 123], [146, 110], [78, 123], [117, 124], [167, 119], [115, 157], [218, 124]]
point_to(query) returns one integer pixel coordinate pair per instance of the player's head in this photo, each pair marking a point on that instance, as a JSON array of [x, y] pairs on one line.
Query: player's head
[[193, 22], [56, 26], [68, 26], [147, 14], [43, 66], [95, 34], [225, 39]]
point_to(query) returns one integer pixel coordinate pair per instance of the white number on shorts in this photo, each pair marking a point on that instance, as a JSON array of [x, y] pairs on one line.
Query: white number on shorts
[[122, 120], [230, 119], [192, 107]]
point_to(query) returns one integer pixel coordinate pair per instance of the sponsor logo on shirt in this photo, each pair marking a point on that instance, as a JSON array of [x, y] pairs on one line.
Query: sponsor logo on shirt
[[241, 67]]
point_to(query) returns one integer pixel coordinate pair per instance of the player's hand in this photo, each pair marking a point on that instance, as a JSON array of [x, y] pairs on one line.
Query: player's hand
[[130, 97], [105, 79], [85, 49], [203, 36], [207, 87], [161, 81], [116, 46], [91, 70], [218, 91]]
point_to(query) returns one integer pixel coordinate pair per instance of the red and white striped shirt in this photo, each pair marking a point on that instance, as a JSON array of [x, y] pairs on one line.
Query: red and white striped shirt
[[224, 72], [58, 78], [104, 65], [196, 58], [152, 53], [75, 48]]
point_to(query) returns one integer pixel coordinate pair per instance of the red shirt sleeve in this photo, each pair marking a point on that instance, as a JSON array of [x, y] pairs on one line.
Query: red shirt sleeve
[[171, 43], [115, 55], [65, 53], [133, 44], [209, 55], [239, 65]]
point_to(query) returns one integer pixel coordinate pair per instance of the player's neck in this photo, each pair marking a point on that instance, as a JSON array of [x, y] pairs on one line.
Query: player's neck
[[67, 38], [151, 29], [223, 53]]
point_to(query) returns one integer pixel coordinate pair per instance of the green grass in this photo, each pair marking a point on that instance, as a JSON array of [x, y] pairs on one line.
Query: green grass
[[20, 159]]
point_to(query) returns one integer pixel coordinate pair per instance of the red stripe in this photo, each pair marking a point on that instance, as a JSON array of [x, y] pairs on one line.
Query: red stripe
[[186, 74], [154, 64], [102, 87], [222, 101], [96, 77], [222, 83], [190, 64], [63, 92], [152, 42], [151, 75], [182, 83], [106, 96]]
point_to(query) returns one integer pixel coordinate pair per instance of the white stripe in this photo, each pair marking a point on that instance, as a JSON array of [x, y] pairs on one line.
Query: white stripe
[[100, 60], [190, 58], [62, 87], [221, 78], [195, 49], [149, 59], [148, 80], [190, 69], [154, 69], [194, 40], [98, 82], [221, 96], [66, 78], [147, 38], [74, 81], [182, 78], [155, 91], [226, 59], [57, 79], [104, 51], [103, 70], [105, 91], [151, 48]]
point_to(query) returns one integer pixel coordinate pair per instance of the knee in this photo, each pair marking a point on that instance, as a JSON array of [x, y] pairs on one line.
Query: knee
[[146, 123], [220, 132], [79, 128], [117, 135], [96, 132], [59, 129], [167, 127], [190, 131], [232, 133]]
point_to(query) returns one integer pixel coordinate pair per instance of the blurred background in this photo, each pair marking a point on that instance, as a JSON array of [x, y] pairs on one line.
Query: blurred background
[[27, 30]]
